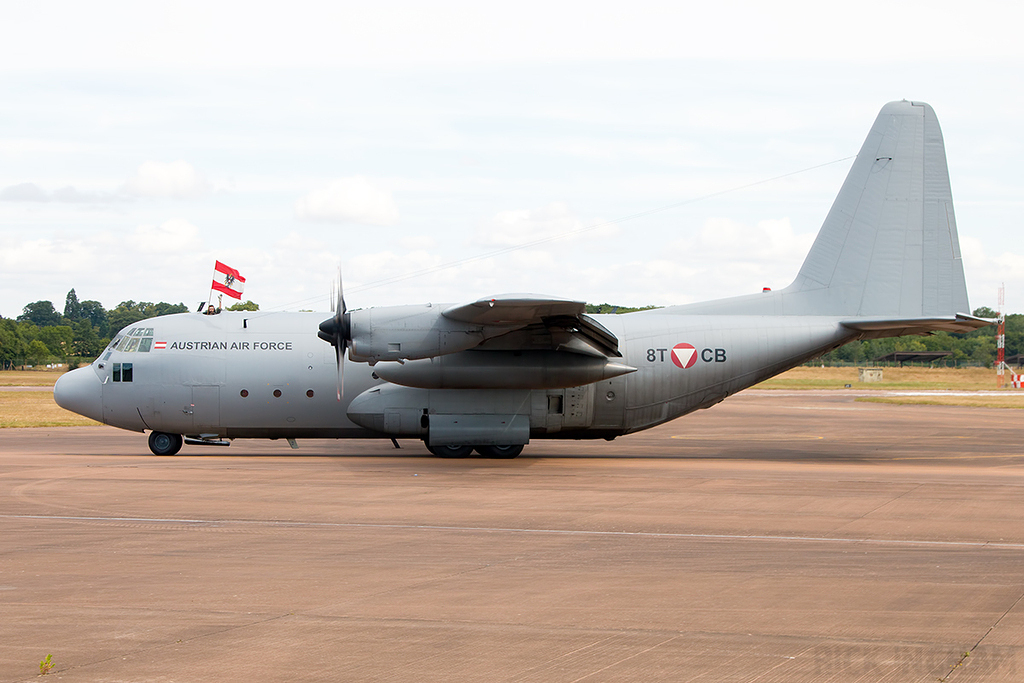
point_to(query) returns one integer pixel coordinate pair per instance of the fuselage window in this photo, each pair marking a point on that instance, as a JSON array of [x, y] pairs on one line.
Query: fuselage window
[[116, 374], [145, 344]]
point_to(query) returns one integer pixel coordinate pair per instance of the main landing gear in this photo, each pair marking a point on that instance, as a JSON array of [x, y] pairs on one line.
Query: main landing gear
[[162, 443], [503, 452]]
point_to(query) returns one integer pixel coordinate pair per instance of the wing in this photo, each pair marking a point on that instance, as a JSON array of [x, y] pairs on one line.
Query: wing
[[511, 322], [543, 321], [513, 309]]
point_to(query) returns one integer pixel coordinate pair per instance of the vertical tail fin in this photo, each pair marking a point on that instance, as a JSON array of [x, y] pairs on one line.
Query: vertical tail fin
[[889, 246], [887, 258]]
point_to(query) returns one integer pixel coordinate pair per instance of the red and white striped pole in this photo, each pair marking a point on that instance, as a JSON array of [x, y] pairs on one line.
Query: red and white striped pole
[[1001, 339]]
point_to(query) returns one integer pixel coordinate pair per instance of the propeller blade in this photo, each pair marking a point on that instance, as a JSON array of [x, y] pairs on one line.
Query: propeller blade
[[338, 332], [340, 355]]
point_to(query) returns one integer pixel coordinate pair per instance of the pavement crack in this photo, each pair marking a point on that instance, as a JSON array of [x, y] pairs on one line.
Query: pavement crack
[[158, 646], [875, 509], [626, 659], [991, 628], [787, 660], [416, 584]]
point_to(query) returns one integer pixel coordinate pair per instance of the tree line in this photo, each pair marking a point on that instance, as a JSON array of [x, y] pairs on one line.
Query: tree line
[[42, 334], [977, 348]]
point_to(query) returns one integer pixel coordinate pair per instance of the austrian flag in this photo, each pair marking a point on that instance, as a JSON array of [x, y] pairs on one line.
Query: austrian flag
[[227, 280]]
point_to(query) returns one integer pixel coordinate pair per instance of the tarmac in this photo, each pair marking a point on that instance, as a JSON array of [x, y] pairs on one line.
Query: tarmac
[[779, 536]]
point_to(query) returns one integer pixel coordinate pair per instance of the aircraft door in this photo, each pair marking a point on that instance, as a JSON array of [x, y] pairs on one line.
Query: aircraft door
[[554, 410], [609, 401], [206, 409]]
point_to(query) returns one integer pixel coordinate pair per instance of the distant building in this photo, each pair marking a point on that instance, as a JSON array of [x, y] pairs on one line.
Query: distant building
[[901, 357]]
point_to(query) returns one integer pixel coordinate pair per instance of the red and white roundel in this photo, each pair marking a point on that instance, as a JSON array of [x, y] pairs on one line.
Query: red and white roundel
[[684, 355]]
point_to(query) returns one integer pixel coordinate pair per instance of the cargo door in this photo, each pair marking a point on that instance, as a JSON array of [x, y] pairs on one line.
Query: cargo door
[[206, 409]]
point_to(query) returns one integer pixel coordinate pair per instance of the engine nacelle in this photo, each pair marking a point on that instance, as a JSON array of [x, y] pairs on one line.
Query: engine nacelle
[[502, 370], [408, 333]]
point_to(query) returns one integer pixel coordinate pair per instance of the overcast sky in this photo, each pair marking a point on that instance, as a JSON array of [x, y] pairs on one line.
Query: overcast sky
[[139, 144]]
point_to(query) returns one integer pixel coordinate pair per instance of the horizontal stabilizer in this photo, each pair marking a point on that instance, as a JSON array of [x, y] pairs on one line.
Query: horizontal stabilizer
[[893, 327]]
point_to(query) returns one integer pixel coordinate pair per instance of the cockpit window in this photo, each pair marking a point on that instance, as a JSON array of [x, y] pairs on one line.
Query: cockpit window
[[122, 372], [137, 339]]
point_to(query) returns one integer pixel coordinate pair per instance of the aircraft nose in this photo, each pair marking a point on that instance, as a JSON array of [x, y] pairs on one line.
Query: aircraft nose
[[80, 392]]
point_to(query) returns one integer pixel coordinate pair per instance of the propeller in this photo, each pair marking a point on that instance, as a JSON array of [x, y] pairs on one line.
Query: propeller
[[338, 332]]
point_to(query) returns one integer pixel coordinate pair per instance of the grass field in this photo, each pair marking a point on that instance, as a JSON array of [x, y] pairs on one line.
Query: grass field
[[925, 379], [29, 378], [1009, 401], [36, 409]]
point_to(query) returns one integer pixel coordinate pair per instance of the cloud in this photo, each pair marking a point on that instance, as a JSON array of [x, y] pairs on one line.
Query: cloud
[[348, 200], [24, 192], [30, 192], [174, 235], [990, 272], [526, 226], [417, 242], [44, 256], [175, 180], [768, 241]]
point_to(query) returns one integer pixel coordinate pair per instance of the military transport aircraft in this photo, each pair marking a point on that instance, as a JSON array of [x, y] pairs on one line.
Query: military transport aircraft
[[491, 374]]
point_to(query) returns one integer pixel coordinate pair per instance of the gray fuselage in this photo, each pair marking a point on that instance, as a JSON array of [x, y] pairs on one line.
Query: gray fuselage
[[267, 375]]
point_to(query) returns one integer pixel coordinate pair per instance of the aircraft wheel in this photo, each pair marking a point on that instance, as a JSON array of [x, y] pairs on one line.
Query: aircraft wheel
[[450, 451], [162, 443], [504, 452]]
